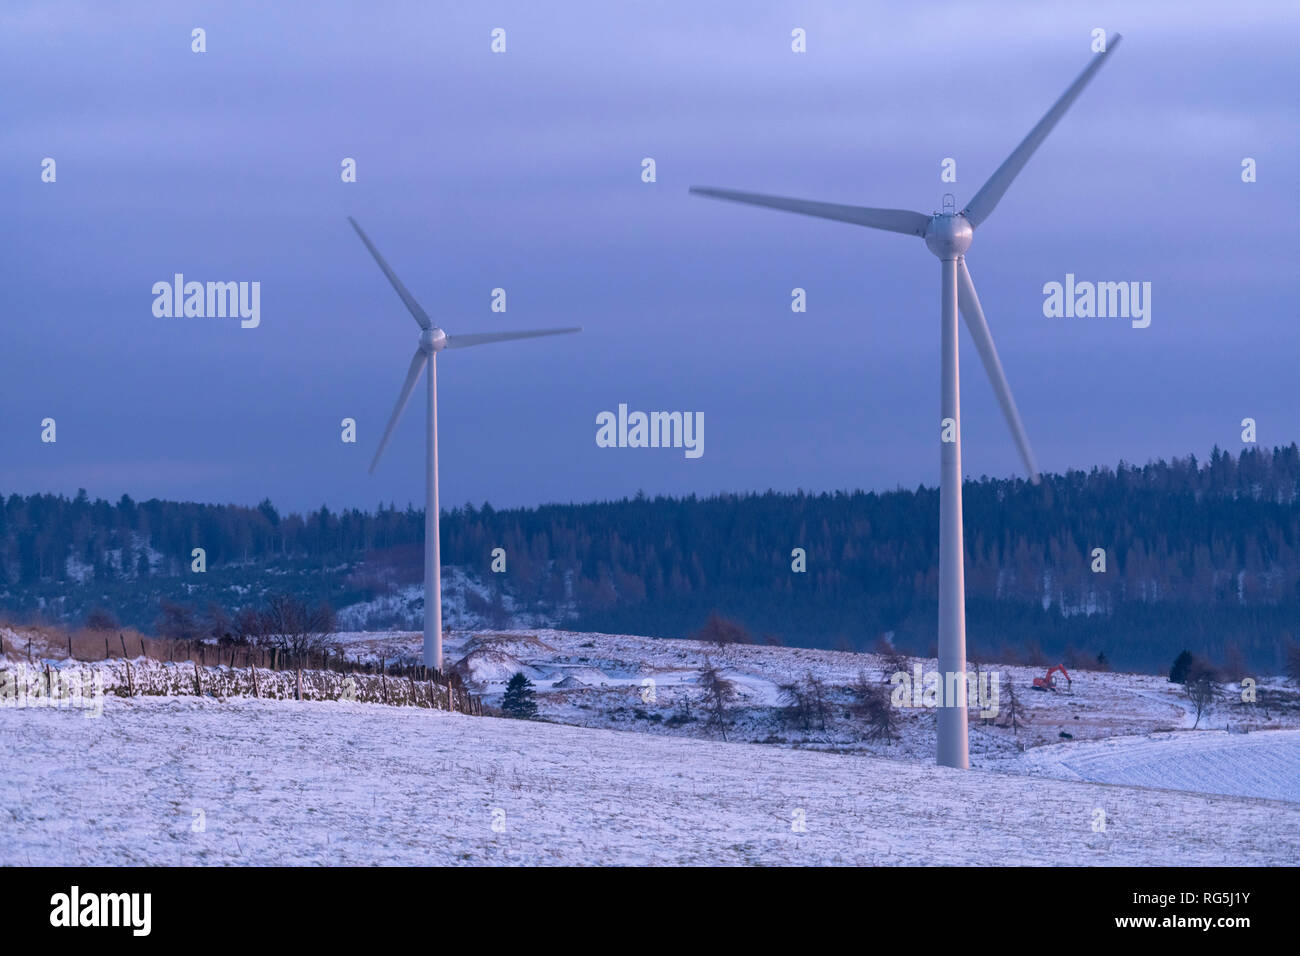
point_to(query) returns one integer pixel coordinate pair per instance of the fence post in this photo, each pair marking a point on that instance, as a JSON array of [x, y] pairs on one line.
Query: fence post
[[257, 692], [107, 652], [69, 645], [130, 684], [122, 637], [299, 690], [198, 681], [383, 681]]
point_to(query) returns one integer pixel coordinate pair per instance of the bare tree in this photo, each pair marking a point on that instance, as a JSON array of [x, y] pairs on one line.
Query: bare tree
[[177, 621], [101, 619], [896, 662], [1234, 663], [814, 690], [1291, 661], [217, 624], [1201, 688], [974, 660], [249, 626], [722, 631], [718, 692], [296, 628]]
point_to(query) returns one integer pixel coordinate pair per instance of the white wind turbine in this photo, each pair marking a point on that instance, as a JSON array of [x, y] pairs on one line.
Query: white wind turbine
[[432, 341], [948, 234]]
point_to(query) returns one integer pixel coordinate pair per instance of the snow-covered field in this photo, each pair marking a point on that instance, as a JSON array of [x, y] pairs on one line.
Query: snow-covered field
[[203, 781], [1263, 764], [624, 768], [650, 685]]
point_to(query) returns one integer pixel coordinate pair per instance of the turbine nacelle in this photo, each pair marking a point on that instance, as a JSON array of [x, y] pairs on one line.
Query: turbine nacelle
[[433, 340], [949, 235]]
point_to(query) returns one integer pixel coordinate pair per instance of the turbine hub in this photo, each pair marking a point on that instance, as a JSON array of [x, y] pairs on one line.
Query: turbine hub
[[433, 340], [949, 235]]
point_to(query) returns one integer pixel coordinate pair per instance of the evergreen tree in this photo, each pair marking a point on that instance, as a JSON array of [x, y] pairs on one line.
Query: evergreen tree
[[718, 691], [874, 702], [1014, 714], [1182, 664], [519, 701]]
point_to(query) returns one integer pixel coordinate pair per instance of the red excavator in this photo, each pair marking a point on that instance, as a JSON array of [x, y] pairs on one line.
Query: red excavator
[[1048, 682]]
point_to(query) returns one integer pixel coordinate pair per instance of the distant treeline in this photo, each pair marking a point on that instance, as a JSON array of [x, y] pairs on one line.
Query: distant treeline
[[1201, 555]]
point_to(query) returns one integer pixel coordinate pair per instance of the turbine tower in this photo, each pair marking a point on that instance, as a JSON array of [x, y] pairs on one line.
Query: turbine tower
[[948, 235], [432, 341]]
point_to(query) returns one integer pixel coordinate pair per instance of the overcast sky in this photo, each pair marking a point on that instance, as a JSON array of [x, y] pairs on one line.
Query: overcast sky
[[522, 170]]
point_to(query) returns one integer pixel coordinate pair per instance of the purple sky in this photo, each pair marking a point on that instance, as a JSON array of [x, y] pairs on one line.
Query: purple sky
[[522, 171]]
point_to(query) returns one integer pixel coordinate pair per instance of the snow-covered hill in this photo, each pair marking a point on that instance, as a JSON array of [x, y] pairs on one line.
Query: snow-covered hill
[[466, 603], [623, 768], [201, 781], [650, 685]]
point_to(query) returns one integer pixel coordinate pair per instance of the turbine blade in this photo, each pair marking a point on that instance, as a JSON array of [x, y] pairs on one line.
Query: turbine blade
[[894, 220], [969, 304], [407, 298], [987, 198], [412, 376], [485, 338]]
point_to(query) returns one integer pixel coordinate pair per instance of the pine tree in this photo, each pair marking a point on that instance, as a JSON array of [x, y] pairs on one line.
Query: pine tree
[[874, 702], [519, 701], [1014, 715], [718, 692]]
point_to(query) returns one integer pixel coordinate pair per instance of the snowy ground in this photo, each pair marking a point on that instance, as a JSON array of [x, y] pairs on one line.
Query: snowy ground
[[626, 770], [203, 781], [1264, 764], [650, 685]]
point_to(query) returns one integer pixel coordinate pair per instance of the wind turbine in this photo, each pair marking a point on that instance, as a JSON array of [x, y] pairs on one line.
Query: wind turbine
[[432, 341], [948, 234]]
